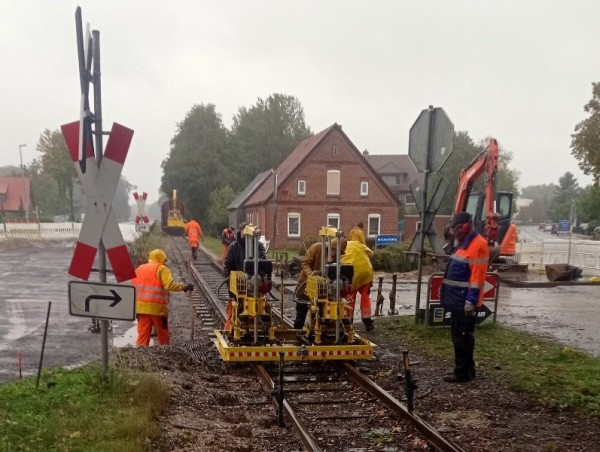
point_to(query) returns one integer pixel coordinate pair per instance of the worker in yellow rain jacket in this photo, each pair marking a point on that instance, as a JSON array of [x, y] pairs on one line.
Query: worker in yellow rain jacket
[[153, 282], [462, 292], [357, 233], [359, 256], [194, 235]]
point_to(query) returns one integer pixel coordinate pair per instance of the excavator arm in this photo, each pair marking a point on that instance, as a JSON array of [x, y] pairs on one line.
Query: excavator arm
[[486, 164]]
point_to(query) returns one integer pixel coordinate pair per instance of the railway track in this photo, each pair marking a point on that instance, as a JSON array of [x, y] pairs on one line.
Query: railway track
[[331, 405]]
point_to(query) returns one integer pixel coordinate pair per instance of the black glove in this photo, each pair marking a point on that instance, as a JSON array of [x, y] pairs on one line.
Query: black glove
[[469, 309], [188, 287]]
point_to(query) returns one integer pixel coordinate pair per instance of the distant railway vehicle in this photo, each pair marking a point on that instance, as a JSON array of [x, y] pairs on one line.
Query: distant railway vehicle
[[172, 214]]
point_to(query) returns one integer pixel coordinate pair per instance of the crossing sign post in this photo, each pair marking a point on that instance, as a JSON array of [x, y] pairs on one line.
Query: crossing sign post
[[99, 186], [429, 146], [141, 219]]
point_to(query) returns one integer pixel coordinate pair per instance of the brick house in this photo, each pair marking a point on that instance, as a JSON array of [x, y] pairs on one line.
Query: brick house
[[15, 196], [324, 181], [398, 172]]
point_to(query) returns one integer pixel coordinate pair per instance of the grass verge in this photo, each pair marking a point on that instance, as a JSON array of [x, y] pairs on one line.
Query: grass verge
[[557, 376], [80, 410]]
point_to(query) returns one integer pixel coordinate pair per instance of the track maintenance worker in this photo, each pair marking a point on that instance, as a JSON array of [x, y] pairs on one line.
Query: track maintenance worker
[[194, 235], [235, 262], [462, 292], [357, 233], [227, 238], [311, 265], [359, 256], [153, 282]]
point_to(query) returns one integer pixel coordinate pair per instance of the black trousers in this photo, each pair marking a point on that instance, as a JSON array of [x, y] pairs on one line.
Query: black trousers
[[463, 338]]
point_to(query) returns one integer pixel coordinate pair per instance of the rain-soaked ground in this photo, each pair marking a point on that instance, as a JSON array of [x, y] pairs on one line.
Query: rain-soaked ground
[[34, 274]]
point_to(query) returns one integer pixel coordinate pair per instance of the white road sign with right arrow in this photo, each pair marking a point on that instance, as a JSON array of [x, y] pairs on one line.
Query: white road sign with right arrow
[[102, 301]]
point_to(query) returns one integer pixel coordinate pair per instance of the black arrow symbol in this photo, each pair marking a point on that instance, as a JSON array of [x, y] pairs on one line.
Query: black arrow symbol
[[116, 298]]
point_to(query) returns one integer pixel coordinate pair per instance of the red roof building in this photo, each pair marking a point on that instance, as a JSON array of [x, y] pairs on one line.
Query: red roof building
[[324, 181], [15, 194]]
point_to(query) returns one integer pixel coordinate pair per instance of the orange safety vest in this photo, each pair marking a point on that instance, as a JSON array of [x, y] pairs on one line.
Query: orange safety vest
[[151, 297]]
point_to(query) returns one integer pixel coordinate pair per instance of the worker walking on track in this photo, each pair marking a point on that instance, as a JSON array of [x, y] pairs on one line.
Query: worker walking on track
[[194, 234], [359, 256], [357, 233], [153, 282], [462, 292], [227, 238]]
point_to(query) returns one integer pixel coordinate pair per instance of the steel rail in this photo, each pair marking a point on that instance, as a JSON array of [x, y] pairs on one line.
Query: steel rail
[[309, 442]]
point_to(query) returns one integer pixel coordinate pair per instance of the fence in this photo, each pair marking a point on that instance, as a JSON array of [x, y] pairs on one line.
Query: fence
[[582, 253], [55, 231]]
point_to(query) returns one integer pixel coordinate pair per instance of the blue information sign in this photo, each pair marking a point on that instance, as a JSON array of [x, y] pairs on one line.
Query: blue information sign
[[386, 239]]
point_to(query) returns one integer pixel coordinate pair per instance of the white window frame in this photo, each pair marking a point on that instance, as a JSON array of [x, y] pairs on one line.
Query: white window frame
[[292, 216], [334, 216], [406, 199], [369, 218], [334, 178], [364, 188], [301, 187]]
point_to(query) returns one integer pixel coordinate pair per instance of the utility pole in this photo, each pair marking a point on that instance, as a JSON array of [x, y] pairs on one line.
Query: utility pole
[[21, 146]]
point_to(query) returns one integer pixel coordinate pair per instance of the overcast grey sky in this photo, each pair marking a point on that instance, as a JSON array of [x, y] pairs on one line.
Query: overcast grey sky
[[520, 71]]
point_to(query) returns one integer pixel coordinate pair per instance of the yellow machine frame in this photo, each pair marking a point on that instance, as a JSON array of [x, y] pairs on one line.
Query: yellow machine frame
[[325, 317]]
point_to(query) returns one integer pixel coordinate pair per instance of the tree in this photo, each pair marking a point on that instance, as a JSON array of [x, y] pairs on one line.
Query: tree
[[568, 191], [264, 135], [197, 161], [218, 217], [56, 162], [585, 142], [542, 196]]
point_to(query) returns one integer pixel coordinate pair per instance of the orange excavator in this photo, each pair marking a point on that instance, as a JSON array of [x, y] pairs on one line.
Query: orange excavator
[[491, 209]]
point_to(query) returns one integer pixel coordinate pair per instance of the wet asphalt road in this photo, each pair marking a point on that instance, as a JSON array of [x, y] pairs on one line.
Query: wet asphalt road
[[34, 275]]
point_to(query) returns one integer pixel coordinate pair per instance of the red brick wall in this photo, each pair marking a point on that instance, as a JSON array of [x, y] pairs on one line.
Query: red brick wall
[[316, 204]]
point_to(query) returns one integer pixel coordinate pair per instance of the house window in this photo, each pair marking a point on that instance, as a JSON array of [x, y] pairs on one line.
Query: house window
[[364, 188], [333, 182], [374, 222], [333, 220], [409, 199], [293, 221], [301, 187], [334, 150]]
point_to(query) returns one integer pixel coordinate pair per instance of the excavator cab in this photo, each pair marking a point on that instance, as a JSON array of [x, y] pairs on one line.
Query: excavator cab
[[507, 234]]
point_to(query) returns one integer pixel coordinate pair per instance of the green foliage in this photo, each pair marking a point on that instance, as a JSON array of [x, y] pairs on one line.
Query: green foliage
[[542, 196], [264, 135], [81, 410], [146, 242], [568, 190], [585, 142], [56, 163], [393, 259], [217, 215], [558, 376], [197, 162]]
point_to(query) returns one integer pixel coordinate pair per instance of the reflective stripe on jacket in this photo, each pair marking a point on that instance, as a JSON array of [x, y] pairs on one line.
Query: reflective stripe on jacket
[[151, 297], [465, 274]]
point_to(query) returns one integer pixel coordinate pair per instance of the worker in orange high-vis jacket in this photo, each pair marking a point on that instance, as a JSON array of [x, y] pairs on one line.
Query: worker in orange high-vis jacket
[[194, 235], [153, 282], [462, 292]]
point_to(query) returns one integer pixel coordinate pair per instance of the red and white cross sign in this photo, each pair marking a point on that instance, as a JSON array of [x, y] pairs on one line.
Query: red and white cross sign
[[141, 205], [99, 186]]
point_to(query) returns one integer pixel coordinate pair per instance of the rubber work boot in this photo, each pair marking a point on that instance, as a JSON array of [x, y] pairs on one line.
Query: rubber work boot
[[453, 378], [369, 324]]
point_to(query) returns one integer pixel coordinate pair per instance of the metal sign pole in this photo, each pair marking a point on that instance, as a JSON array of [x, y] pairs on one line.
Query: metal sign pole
[[423, 214], [99, 152]]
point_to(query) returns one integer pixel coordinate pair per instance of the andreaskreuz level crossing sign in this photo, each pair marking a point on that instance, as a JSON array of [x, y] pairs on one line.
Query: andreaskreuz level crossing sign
[[102, 301], [99, 186]]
